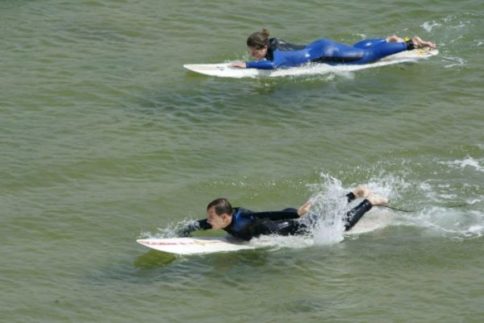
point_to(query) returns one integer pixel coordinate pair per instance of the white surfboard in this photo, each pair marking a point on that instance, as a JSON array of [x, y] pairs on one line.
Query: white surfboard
[[224, 69], [206, 245], [191, 246], [371, 222]]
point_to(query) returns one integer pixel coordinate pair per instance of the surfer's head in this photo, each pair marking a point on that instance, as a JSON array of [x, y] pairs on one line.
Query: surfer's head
[[219, 213], [258, 43]]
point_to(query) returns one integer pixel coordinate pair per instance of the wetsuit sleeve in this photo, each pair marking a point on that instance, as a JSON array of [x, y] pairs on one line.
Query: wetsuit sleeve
[[277, 215], [355, 214], [194, 226], [262, 64]]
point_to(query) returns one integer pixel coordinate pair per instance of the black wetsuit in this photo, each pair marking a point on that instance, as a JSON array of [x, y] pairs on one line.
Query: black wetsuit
[[247, 224]]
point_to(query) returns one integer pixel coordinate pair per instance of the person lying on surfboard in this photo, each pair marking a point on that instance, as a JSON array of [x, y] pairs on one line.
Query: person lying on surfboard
[[245, 224], [271, 53]]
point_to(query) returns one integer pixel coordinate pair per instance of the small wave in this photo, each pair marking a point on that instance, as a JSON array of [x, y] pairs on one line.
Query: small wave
[[473, 201], [466, 162], [461, 24], [448, 222], [453, 61], [170, 231], [429, 25]]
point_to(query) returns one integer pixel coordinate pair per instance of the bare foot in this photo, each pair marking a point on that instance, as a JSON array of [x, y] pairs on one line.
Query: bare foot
[[395, 39], [420, 43], [361, 191], [377, 200], [303, 209]]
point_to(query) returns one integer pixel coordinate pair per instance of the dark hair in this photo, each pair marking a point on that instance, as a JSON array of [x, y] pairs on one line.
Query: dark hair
[[259, 39], [221, 205]]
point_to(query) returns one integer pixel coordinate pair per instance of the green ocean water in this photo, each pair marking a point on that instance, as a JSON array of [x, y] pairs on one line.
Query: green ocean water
[[104, 138]]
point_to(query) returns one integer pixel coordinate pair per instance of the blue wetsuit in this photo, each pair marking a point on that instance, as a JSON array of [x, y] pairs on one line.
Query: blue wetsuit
[[282, 54], [247, 224]]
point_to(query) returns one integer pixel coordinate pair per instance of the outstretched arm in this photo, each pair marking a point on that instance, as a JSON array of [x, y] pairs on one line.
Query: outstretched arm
[[194, 226], [262, 64]]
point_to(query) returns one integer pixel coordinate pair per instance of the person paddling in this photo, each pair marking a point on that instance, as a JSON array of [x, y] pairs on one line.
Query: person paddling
[[245, 224], [271, 53]]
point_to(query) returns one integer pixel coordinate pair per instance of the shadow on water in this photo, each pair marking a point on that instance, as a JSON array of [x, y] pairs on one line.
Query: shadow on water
[[154, 267], [154, 259], [200, 97], [219, 261]]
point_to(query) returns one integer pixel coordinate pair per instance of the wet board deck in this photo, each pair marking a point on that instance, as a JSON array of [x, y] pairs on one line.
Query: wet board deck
[[224, 69]]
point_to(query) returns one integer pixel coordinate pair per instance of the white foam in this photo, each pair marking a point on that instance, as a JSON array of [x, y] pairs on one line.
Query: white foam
[[455, 223], [466, 162], [330, 206], [429, 25], [275, 242], [454, 61], [461, 24], [170, 231], [476, 230], [473, 201]]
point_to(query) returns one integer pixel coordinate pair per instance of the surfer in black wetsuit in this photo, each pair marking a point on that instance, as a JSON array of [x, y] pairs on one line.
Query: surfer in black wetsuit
[[245, 224]]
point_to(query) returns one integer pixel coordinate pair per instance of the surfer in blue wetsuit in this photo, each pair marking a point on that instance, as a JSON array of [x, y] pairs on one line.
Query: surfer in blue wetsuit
[[271, 53], [245, 224]]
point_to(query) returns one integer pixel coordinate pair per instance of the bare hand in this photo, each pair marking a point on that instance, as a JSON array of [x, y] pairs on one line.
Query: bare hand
[[361, 191], [303, 209], [238, 64]]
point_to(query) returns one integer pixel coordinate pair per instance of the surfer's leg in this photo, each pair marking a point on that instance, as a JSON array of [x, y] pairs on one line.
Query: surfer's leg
[[328, 51], [289, 227], [383, 49], [377, 49], [368, 42], [356, 213], [395, 39], [414, 42], [420, 43]]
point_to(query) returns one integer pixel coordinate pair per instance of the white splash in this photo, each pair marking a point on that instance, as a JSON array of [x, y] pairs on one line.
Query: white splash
[[429, 25], [466, 162], [170, 231], [330, 206]]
